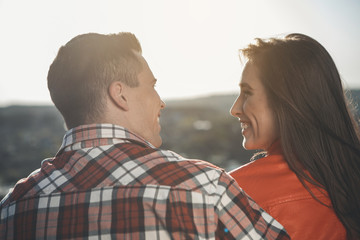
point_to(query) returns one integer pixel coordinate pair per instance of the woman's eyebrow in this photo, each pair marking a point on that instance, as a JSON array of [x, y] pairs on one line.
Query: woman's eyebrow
[[245, 85]]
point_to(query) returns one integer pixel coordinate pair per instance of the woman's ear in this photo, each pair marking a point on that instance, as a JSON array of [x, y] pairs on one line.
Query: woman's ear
[[116, 93]]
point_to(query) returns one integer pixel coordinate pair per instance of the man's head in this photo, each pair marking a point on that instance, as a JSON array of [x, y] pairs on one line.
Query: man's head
[[99, 78], [81, 73]]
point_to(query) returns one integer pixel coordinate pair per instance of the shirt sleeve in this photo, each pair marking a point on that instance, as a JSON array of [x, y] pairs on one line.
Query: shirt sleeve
[[239, 217]]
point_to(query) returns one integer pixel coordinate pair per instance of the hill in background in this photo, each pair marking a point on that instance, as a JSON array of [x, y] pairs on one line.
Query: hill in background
[[198, 128]]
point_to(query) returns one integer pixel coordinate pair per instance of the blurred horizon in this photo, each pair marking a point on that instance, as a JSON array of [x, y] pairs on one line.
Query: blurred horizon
[[166, 100], [188, 127], [191, 46], [174, 99]]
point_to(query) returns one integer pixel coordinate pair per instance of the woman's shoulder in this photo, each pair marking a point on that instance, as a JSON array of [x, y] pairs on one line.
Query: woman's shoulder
[[261, 167], [269, 181]]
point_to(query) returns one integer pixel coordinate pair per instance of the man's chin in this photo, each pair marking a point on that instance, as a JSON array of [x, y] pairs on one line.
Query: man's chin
[[157, 142]]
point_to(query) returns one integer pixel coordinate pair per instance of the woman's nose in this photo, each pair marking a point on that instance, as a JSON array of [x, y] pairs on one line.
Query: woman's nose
[[236, 108]]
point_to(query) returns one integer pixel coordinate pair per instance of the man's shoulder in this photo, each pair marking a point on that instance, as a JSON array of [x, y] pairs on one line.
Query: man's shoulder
[[165, 156], [184, 162], [168, 168]]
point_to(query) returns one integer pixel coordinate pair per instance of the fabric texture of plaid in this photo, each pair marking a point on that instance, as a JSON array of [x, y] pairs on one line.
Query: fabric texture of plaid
[[107, 183]]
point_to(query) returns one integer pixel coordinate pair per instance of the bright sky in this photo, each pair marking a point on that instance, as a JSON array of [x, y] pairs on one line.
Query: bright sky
[[190, 45]]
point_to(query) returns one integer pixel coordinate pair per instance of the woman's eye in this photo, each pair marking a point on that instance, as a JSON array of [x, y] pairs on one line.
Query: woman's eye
[[246, 93]]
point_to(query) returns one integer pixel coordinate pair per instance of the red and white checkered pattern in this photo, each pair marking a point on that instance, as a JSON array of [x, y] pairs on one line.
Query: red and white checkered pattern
[[108, 183]]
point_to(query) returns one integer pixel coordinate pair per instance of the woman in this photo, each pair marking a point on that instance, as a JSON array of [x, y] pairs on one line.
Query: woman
[[292, 106]]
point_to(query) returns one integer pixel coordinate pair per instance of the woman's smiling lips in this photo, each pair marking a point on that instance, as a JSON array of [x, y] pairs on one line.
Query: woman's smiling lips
[[244, 125]]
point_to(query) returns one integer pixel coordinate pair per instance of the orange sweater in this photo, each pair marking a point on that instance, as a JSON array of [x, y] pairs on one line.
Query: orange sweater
[[271, 183]]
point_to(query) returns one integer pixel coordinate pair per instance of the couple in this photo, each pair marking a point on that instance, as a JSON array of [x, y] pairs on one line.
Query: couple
[[110, 180]]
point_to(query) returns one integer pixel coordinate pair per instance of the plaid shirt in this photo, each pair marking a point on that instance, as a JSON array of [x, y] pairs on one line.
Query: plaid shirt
[[107, 183]]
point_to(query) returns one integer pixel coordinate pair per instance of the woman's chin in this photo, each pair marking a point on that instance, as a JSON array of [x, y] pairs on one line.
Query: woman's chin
[[249, 146]]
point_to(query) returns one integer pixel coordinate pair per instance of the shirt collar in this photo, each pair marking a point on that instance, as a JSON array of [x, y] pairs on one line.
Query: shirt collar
[[96, 134]]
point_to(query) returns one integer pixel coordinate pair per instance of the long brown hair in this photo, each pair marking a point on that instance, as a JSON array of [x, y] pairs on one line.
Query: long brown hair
[[319, 135]]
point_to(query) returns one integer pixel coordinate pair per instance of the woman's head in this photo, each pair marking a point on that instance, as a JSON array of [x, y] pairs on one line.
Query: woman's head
[[302, 86], [257, 118], [318, 135]]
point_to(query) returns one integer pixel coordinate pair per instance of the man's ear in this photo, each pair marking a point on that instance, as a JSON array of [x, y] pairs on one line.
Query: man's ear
[[116, 93]]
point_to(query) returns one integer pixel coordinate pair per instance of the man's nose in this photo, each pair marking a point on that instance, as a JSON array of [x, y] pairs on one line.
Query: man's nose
[[162, 104]]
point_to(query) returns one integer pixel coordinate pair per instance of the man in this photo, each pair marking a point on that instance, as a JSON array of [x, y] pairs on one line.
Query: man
[[109, 179]]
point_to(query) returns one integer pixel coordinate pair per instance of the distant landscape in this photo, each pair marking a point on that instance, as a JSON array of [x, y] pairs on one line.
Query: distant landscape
[[199, 128]]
